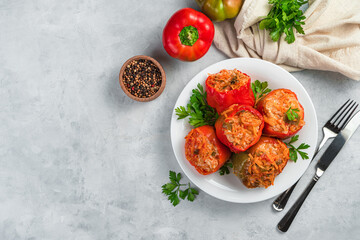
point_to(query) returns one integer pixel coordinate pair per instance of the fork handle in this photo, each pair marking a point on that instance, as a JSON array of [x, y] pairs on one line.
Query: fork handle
[[280, 202], [286, 221], [325, 138]]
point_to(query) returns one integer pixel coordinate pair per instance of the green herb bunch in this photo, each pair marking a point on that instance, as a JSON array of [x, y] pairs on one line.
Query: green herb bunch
[[173, 191], [199, 111], [294, 151], [284, 16]]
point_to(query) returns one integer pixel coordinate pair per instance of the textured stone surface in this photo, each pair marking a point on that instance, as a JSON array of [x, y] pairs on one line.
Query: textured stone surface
[[80, 160]]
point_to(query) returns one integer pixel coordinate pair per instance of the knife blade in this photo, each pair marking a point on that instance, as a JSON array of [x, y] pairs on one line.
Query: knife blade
[[337, 144], [324, 162]]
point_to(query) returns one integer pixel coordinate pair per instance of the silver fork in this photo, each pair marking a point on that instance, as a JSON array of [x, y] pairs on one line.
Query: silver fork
[[330, 130]]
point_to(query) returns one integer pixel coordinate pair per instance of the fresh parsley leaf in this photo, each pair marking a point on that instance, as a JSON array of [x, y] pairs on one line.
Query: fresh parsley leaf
[[194, 191], [174, 192], [293, 151], [294, 139], [183, 194], [303, 155], [303, 146], [178, 177], [174, 199], [191, 197], [225, 168], [198, 110], [172, 177], [170, 186], [259, 89], [182, 112], [165, 190], [291, 114], [284, 16]]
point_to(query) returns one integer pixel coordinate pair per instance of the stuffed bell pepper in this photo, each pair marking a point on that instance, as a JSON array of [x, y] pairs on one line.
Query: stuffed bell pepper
[[259, 166], [283, 114], [228, 87], [204, 151], [239, 127]]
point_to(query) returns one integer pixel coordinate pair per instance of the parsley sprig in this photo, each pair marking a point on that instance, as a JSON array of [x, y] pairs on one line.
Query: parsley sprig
[[284, 16], [291, 114], [199, 111], [259, 89], [294, 151], [173, 191], [225, 168]]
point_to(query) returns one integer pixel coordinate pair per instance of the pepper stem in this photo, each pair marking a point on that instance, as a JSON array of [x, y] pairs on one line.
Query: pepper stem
[[189, 35]]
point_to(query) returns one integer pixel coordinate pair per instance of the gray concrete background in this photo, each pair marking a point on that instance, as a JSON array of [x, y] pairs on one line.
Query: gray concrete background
[[80, 160]]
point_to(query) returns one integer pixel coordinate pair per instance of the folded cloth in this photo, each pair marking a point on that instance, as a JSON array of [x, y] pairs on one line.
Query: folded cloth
[[331, 41]]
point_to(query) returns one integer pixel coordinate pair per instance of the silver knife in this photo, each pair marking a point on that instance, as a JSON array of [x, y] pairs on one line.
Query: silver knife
[[324, 162]]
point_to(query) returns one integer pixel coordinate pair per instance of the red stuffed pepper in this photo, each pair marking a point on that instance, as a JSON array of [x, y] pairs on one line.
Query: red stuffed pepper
[[259, 166], [227, 88], [204, 151], [283, 114], [239, 127]]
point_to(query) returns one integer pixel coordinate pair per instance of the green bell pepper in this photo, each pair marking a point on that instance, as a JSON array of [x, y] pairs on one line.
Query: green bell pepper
[[219, 10]]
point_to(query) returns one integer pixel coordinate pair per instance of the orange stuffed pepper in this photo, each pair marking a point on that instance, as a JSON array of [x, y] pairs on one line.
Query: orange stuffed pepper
[[204, 151], [283, 114]]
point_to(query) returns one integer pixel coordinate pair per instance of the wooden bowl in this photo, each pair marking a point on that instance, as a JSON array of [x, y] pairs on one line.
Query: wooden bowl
[[163, 78]]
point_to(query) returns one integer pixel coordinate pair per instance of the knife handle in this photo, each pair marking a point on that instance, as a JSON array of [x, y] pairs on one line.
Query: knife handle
[[286, 221]]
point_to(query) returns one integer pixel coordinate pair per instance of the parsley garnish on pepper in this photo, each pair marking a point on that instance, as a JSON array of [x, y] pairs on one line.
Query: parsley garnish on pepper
[[259, 89], [225, 168], [173, 191], [291, 114], [282, 18], [294, 151], [199, 111]]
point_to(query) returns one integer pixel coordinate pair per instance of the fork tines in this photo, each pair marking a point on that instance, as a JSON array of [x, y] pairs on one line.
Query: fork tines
[[347, 111]]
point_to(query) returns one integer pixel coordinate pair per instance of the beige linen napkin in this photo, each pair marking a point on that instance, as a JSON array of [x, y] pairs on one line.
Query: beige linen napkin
[[331, 41]]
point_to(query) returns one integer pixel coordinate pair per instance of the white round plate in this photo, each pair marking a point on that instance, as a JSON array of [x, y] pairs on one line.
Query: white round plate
[[229, 187]]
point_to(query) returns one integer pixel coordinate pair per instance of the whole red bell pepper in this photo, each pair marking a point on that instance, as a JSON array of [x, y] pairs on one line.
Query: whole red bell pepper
[[188, 35], [239, 127], [204, 151], [230, 92], [276, 122]]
